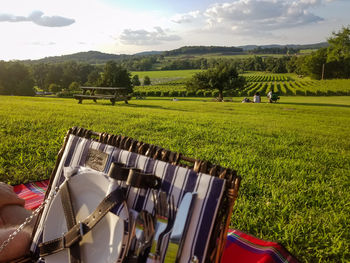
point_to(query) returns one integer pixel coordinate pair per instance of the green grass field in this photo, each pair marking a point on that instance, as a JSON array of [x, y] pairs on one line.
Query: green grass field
[[293, 156]]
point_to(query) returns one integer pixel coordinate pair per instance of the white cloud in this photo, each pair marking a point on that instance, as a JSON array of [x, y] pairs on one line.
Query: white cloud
[[37, 17], [261, 15], [247, 16], [143, 37], [186, 18]]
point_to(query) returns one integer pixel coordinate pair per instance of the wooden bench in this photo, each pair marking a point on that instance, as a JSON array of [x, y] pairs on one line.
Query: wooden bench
[[119, 94]]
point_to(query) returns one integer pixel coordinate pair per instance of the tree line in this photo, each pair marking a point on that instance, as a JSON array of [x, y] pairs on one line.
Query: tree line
[[19, 78]]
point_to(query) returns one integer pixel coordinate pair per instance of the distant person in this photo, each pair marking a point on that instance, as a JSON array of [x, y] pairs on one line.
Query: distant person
[[246, 100], [175, 99], [269, 95], [12, 214], [273, 97], [257, 98]]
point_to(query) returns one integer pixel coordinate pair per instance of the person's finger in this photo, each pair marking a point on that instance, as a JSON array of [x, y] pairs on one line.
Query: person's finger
[[17, 248], [15, 200], [11, 198]]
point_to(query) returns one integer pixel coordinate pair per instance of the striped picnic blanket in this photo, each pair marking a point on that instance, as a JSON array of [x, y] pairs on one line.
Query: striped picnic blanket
[[32, 193], [240, 247]]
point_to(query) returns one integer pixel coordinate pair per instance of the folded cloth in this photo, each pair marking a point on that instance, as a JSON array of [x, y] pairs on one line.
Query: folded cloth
[[33, 193], [240, 247]]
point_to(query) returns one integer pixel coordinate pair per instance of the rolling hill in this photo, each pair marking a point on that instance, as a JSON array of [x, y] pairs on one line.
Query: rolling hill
[[96, 57]]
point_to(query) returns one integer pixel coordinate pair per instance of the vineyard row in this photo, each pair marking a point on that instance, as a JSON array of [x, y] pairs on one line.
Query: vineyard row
[[285, 88]]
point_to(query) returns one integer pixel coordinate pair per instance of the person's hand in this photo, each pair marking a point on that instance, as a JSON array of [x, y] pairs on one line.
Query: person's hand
[[8, 196]]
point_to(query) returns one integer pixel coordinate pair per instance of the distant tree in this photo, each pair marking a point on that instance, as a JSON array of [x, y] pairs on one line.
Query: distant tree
[[338, 54], [84, 71], [40, 72], [93, 78], [334, 60], [313, 63], [116, 76], [135, 80], [222, 77], [15, 79], [74, 86], [146, 81], [70, 73], [295, 64], [3, 76], [54, 88], [54, 75], [339, 45]]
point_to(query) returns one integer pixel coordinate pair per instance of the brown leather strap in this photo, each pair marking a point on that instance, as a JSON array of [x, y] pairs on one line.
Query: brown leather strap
[[118, 171], [66, 200], [133, 177], [76, 233], [142, 180]]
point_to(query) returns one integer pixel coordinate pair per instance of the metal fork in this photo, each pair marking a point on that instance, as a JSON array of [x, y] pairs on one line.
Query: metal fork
[[164, 214], [143, 233]]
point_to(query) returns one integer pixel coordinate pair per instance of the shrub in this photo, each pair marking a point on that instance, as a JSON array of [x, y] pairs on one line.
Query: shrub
[[146, 81], [226, 93], [230, 93], [251, 92], [74, 86], [150, 93], [299, 92], [215, 93], [320, 93], [165, 94], [157, 93], [66, 94], [199, 93], [54, 88], [207, 93], [190, 94], [173, 93], [309, 93]]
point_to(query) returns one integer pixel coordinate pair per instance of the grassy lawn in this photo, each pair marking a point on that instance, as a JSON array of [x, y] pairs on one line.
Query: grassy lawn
[[293, 156]]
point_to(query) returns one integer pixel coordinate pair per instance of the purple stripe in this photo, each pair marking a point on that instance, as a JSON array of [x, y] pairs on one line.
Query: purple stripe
[[116, 155], [168, 178], [144, 194], [109, 149], [71, 151], [190, 184], [101, 147], [265, 250], [209, 212], [150, 166], [34, 188], [80, 146], [113, 157], [138, 191], [132, 160], [191, 181], [84, 153]]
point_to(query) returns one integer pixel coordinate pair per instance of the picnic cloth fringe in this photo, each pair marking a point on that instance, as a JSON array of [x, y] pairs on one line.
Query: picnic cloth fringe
[[240, 247]]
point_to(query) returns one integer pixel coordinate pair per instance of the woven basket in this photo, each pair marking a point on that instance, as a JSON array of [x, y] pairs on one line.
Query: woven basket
[[222, 221]]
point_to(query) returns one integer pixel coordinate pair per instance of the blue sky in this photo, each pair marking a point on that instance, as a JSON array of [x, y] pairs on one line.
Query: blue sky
[[32, 29]]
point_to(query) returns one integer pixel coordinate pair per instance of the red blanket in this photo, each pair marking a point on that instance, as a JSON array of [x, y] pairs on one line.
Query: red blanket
[[240, 247]]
